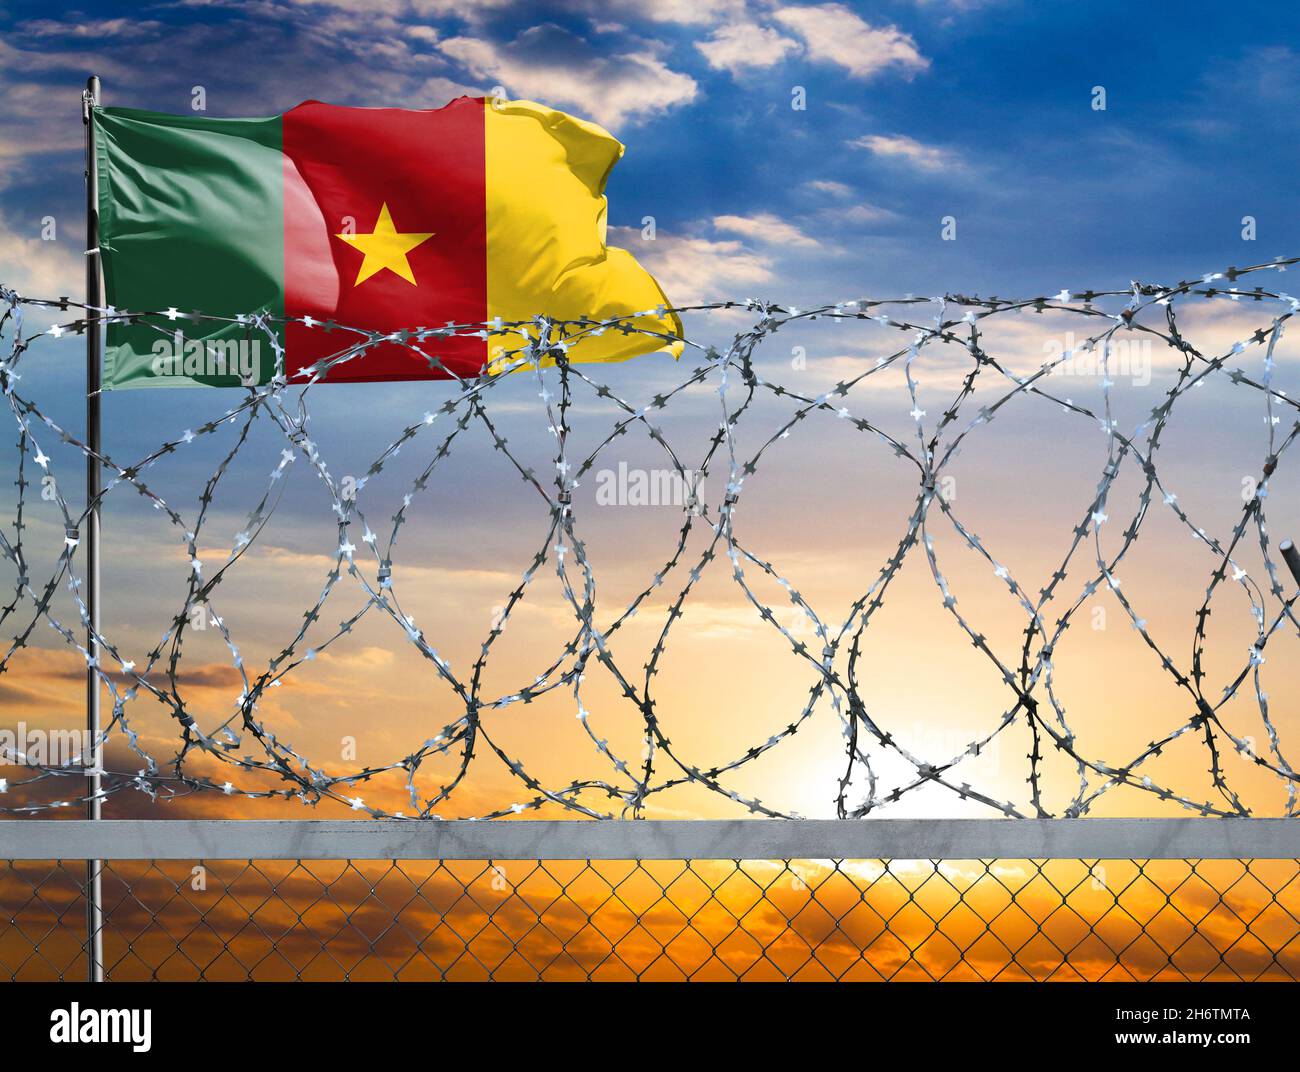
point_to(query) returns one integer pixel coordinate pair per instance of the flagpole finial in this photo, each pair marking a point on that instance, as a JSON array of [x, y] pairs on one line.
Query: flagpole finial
[[90, 97]]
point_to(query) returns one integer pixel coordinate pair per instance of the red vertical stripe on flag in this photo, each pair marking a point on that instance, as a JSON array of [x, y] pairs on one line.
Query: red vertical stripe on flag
[[427, 169]]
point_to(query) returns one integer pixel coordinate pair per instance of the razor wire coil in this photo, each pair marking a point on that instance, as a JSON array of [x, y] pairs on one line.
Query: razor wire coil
[[250, 748]]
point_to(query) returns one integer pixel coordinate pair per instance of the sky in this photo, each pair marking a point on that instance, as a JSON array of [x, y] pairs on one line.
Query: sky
[[914, 111], [800, 153]]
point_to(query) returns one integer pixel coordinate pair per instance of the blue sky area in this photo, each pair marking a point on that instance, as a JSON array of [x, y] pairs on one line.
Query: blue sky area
[[916, 110]]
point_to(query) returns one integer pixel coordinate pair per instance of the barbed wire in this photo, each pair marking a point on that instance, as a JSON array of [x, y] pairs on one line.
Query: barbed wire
[[251, 751]]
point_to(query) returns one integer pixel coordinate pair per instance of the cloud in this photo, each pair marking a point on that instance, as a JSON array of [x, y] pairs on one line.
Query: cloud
[[273, 560], [468, 10], [958, 5], [41, 60], [862, 213], [900, 146], [465, 9], [368, 660], [1250, 90], [687, 12], [37, 268], [696, 269], [97, 30], [550, 64], [834, 34], [683, 12], [383, 66], [829, 186], [740, 45], [1269, 76], [55, 666], [439, 91], [766, 228]]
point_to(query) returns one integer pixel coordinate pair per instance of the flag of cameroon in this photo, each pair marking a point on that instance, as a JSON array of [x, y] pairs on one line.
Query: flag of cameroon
[[392, 221]]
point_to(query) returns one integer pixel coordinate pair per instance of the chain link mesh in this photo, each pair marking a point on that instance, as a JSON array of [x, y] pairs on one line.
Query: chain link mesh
[[870, 920]]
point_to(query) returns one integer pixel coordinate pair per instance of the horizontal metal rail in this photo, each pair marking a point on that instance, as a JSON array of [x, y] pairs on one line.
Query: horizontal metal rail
[[731, 839]]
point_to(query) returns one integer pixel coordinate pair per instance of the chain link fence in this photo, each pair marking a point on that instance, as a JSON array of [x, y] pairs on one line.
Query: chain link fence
[[624, 920]]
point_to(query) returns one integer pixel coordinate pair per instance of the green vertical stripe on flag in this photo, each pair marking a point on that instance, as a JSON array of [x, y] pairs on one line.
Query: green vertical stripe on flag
[[191, 218]]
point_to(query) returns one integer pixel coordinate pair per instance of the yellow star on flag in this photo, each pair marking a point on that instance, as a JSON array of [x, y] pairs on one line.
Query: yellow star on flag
[[385, 247]]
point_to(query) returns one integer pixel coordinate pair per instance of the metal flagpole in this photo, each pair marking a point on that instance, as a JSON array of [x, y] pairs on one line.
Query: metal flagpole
[[94, 872]]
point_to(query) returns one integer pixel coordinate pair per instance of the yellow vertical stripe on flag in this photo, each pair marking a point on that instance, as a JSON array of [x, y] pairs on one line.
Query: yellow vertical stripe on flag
[[546, 252]]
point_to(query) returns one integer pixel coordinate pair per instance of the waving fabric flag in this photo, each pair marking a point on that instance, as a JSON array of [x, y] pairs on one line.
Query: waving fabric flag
[[377, 218]]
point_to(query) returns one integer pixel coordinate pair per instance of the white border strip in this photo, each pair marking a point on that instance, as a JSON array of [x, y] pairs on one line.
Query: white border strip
[[731, 839]]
